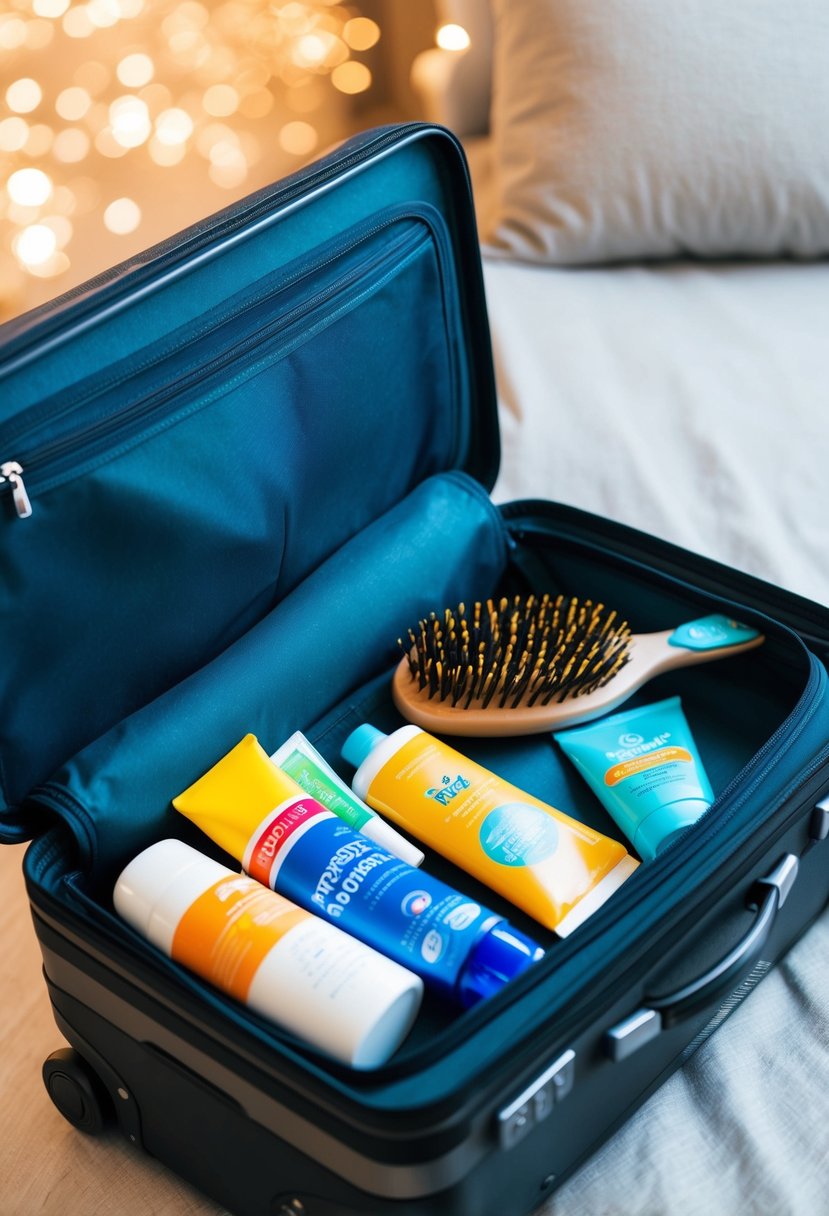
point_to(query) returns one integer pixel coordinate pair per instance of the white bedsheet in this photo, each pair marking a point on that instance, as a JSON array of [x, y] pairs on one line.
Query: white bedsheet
[[688, 400], [691, 401]]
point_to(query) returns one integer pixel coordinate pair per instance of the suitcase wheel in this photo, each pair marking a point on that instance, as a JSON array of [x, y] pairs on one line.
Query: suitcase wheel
[[77, 1091]]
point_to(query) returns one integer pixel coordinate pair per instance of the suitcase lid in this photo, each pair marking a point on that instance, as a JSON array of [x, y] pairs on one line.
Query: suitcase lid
[[200, 426]]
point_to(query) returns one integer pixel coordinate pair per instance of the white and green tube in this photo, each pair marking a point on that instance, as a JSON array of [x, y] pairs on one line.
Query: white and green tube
[[301, 760]]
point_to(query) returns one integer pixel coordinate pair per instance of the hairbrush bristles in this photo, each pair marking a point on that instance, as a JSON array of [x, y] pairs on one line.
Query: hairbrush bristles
[[517, 652]]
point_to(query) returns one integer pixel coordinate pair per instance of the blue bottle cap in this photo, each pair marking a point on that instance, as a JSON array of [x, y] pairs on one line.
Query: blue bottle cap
[[360, 743], [498, 957]]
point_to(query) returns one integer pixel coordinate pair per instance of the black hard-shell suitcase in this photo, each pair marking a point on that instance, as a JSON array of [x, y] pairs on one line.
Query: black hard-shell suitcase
[[252, 457]]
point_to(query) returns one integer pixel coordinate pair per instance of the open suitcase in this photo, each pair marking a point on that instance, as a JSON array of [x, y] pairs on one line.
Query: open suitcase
[[253, 456]]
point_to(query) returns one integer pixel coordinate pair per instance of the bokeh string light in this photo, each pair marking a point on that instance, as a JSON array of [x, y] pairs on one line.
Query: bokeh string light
[[112, 109]]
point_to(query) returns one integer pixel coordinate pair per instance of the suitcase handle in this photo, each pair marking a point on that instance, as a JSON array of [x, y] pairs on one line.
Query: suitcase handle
[[766, 897]]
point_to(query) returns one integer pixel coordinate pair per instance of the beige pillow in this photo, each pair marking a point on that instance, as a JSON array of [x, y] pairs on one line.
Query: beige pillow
[[651, 128]]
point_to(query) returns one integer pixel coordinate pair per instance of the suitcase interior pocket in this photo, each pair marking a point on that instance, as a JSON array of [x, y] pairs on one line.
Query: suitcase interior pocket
[[322, 661], [182, 495]]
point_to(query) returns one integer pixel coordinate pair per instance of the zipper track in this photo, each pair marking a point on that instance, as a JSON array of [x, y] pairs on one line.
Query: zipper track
[[175, 253], [36, 462]]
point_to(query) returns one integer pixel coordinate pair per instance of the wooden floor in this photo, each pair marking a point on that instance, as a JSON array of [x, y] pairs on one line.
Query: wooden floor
[[47, 1167]]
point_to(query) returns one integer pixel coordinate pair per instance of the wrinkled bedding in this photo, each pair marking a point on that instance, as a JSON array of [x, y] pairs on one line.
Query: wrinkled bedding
[[692, 401]]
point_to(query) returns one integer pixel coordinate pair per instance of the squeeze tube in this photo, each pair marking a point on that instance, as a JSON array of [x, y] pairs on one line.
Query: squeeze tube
[[644, 767], [300, 759], [555, 868], [288, 841]]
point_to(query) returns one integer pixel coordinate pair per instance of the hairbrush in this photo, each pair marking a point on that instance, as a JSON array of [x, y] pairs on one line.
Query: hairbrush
[[530, 664]]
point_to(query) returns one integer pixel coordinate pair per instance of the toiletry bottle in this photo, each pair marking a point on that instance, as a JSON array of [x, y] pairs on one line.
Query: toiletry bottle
[[301, 760], [316, 981], [290, 842], [555, 868], [644, 766]]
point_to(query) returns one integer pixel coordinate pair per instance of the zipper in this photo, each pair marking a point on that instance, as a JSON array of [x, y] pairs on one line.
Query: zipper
[[59, 460], [11, 473]]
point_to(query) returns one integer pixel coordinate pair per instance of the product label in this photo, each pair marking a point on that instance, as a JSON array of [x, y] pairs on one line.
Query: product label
[[405, 914], [227, 931], [631, 768], [540, 859], [276, 834], [518, 835], [316, 782]]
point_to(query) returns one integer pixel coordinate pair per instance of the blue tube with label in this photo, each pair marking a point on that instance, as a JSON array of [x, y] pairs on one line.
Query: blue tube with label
[[644, 767], [290, 842]]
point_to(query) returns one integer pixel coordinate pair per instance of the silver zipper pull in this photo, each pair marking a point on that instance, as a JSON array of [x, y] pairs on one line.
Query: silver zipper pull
[[13, 474]]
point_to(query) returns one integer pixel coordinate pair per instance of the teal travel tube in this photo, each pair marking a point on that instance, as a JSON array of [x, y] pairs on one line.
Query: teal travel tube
[[644, 767]]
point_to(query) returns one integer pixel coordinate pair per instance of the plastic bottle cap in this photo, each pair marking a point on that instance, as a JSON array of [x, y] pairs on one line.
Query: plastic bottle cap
[[656, 831], [383, 833], [360, 743], [498, 957], [154, 890]]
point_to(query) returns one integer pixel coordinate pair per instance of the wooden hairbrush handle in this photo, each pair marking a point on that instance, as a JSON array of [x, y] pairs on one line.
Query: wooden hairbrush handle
[[651, 654]]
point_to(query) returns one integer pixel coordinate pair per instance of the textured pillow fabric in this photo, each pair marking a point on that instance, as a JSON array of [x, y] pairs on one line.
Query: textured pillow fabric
[[651, 128]]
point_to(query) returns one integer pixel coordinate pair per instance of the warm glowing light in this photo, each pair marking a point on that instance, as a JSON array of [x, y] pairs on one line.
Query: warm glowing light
[[86, 195], [39, 140], [228, 166], [35, 244], [296, 18], [71, 145], [173, 126], [130, 121], [57, 264], [298, 138], [306, 98], [92, 76], [77, 22], [64, 201], [214, 133], [361, 33], [311, 49], [452, 38], [221, 100], [190, 13], [122, 216], [351, 77], [39, 34], [166, 155], [103, 13], [12, 32], [135, 70], [13, 134], [50, 8], [61, 227], [219, 88], [256, 104], [73, 103], [108, 145], [24, 95], [29, 187]]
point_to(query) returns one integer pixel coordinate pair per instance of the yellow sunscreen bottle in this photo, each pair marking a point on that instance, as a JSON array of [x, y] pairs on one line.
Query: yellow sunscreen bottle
[[555, 868]]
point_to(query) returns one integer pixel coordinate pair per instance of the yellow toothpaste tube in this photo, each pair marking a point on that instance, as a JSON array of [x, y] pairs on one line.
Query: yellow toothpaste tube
[[556, 869]]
